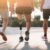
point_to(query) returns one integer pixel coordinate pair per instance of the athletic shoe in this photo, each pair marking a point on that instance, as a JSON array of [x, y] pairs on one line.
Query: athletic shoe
[[21, 39], [45, 37], [3, 36], [27, 35]]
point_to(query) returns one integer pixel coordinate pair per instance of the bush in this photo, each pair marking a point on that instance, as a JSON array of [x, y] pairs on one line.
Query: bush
[[35, 23], [15, 23]]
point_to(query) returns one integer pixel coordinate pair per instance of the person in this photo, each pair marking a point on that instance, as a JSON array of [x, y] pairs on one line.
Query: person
[[5, 24], [4, 16], [24, 7], [45, 6]]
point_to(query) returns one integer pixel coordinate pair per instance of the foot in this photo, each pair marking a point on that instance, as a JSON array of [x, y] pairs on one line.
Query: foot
[[3, 36], [45, 37], [27, 35], [21, 39]]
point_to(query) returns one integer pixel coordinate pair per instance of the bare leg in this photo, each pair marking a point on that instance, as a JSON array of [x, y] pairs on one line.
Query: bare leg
[[5, 23], [28, 22], [19, 16], [28, 25], [20, 20], [45, 27]]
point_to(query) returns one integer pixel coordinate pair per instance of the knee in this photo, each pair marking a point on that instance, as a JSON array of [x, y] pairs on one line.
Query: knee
[[19, 17]]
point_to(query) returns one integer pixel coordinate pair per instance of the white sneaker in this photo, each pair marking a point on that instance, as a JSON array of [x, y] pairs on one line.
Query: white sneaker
[[44, 37]]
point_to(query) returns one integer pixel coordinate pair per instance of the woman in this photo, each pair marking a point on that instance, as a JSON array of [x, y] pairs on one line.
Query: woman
[[25, 7]]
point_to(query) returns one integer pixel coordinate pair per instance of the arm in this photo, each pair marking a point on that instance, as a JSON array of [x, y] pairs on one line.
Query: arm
[[42, 3], [33, 4]]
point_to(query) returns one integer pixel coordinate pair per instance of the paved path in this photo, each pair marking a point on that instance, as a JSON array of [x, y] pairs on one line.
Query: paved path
[[35, 43]]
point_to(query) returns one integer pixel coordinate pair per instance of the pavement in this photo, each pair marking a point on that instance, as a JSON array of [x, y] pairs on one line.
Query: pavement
[[36, 42]]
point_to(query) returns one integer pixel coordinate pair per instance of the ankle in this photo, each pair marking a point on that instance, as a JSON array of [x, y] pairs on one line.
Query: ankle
[[45, 34]]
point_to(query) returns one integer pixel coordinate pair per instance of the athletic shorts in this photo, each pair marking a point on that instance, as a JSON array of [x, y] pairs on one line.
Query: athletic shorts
[[46, 13], [24, 10]]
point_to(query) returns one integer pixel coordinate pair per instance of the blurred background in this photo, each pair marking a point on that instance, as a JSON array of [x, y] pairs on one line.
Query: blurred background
[[8, 8]]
